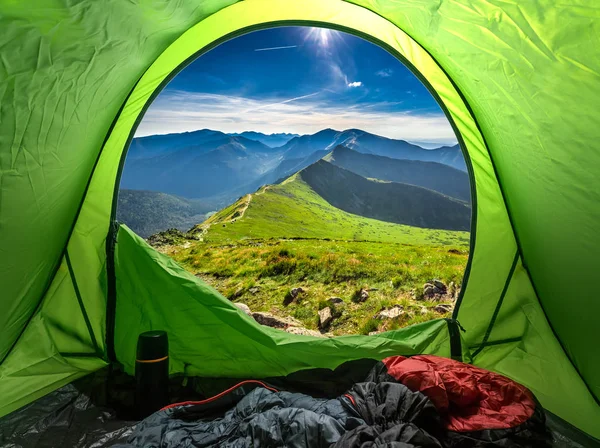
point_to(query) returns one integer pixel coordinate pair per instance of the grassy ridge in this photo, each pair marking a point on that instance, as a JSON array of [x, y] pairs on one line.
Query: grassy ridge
[[293, 210]]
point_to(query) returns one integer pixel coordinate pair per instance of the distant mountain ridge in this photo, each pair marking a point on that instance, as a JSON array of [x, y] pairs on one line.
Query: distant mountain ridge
[[432, 175], [271, 140], [386, 201], [203, 170], [148, 212], [368, 143]]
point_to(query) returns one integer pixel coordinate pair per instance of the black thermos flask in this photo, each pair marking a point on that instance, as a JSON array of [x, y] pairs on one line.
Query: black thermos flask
[[152, 372]]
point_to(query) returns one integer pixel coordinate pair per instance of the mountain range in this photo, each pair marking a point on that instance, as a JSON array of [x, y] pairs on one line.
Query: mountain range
[[176, 179], [213, 165]]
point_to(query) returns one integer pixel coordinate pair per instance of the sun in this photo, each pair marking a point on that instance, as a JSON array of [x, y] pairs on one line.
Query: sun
[[322, 37]]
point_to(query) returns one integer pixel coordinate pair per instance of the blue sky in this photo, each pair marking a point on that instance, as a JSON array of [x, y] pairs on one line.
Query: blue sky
[[300, 80]]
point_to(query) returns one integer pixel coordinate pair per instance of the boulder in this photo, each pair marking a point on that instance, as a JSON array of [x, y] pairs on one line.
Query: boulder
[[442, 288], [390, 313], [443, 308], [325, 317], [245, 308], [238, 293], [271, 320], [428, 290], [360, 296], [303, 331], [295, 292], [335, 300], [434, 288], [292, 295]]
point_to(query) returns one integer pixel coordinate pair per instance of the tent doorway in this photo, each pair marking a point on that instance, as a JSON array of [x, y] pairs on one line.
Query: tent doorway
[[333, 189]]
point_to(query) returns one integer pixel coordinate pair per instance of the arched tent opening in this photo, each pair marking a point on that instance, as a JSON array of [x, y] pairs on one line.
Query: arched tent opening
[[284, 217], [80, 291]]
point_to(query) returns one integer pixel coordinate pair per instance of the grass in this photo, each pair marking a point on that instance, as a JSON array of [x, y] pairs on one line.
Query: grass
[[260, 273]]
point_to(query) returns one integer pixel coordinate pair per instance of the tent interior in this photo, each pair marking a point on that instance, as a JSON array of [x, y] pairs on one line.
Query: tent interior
[[520, 85]]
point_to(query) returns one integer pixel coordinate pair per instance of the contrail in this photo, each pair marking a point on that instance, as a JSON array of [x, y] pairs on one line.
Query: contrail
[[283, 102], [275, 48]]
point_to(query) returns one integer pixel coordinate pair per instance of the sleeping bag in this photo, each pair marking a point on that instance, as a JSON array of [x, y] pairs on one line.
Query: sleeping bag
[[422, 401]]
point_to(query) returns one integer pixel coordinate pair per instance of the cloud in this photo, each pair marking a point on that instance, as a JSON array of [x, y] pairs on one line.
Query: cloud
[[355, 84], [385, 73], [178, 111], [276, 48]]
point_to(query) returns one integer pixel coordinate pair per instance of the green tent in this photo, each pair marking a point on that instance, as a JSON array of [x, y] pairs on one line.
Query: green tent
[[519, 82]]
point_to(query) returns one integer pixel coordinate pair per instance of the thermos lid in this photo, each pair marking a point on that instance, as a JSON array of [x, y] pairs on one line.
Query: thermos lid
[[152, 345]]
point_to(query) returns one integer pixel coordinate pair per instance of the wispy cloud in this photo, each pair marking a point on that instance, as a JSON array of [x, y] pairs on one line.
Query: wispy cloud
[[385, 73], [178, 111], [276, 48], [355, 84]]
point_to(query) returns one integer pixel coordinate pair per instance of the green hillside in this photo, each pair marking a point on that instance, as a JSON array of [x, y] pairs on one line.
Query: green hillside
[[431, 175], [286, 237], [395, 202], [293, 209], [148, 212]]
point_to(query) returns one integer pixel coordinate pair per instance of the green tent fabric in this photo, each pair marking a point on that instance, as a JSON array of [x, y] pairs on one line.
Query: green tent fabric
[[519, 82]]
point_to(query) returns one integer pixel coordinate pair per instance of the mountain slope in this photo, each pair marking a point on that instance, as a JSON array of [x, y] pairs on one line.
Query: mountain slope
[[271, 140], [431, 175], [148, 212], [367, 143], [204, 170], [293, 209], [156, 145], [386, 201]]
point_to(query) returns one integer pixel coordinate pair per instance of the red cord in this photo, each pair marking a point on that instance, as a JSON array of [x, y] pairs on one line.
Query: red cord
[[216, 397], [351, 398]]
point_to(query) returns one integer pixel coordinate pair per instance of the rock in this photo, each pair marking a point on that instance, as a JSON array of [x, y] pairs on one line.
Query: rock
[[451, 288], [295, 292], [424, 310], [245, 308], [391, 313], [434, 288], [271, 320], [443, 308], [292, 295], [254, 289], [303, 331], [440, 286], [335, 300], [325, 317], [361, 296], [372, 333], [428, 290], [238, 292]]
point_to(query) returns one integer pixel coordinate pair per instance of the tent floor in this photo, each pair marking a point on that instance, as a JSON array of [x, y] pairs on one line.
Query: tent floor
[[98, 410]]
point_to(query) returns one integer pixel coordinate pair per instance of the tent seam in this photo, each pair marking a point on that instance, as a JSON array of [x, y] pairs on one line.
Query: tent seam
[[82, 306], [498, 305]]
